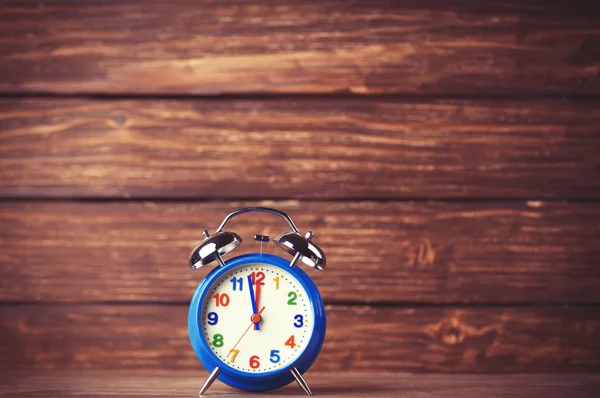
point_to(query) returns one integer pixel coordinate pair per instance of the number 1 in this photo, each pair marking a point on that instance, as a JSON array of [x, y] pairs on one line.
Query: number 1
[[276, 279]]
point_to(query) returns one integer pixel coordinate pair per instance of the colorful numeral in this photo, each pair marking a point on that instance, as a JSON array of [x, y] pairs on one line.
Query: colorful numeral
[[254, 361], [235, 282], [291, 342], [222, 299], [292, 300], [276, 280], [299, 321], [218, 340], [258, 278], [234, 352], [275, 358], [213, 318]]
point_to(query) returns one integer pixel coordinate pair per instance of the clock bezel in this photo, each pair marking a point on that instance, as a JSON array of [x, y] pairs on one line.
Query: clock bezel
[[257, 381]]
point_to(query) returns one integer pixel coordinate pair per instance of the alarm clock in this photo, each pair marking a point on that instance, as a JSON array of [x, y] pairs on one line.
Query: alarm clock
[[257, 321]]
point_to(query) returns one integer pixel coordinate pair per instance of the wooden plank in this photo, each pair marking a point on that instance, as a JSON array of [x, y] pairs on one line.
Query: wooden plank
[[359, 339], [169, 383], [433, 47], [378, 252], [299, 148]]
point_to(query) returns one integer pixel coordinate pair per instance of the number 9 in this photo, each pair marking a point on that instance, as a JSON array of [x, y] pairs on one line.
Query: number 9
[[213, 318]]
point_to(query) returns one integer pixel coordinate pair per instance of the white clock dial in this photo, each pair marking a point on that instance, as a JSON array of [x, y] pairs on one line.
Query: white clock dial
[[286, 318]]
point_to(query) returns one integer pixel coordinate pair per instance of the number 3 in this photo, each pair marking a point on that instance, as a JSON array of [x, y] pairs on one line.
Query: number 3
[[299, 321]]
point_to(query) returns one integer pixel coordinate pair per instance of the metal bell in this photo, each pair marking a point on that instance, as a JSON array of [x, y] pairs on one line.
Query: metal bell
[[302, 249], [212, 248]]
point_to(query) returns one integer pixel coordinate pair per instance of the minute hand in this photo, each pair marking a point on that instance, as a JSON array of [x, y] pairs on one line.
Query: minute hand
[[253, 301]]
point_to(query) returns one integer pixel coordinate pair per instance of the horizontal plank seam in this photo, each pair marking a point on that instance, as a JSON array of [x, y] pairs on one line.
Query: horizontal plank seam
[[347, 199], [294, 96], [334, 303]]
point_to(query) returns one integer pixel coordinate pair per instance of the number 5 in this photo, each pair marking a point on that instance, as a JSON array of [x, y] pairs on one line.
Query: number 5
[[275, 356]]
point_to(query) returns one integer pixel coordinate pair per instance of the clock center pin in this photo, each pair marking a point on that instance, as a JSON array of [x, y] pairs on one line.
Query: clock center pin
[[255, 318]]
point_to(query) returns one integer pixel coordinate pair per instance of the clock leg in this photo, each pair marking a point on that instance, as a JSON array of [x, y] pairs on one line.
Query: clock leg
[[213, 376], [301, 381]]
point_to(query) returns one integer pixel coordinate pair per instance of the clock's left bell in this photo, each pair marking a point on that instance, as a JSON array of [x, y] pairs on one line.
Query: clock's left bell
[[213, 247]]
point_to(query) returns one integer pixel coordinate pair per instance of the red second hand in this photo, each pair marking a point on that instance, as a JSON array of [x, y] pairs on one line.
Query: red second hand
[[238, 342], [257, 297]]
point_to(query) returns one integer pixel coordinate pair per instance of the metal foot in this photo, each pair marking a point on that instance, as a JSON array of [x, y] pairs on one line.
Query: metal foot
[[213, 376], [300, 381]]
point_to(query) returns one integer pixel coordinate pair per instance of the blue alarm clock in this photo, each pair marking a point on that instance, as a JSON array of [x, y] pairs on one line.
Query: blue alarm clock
[[257, 321]]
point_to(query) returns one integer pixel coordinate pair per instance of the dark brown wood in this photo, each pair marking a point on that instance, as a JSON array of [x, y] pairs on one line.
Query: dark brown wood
[[167, 383], [436, 47], [378, 252], [299, 149], [359, 339]]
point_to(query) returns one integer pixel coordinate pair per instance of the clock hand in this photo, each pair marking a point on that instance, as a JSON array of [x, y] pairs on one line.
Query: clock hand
[[257, 296], [254, 305], [238, 342]]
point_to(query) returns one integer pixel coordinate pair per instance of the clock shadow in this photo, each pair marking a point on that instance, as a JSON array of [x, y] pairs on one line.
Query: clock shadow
[[321, 388]]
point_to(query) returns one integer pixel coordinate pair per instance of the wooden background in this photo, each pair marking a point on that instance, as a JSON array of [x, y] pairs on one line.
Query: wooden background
[[446, 155]]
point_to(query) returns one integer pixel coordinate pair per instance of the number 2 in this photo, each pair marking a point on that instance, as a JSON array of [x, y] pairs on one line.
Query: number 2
[[292, 300]]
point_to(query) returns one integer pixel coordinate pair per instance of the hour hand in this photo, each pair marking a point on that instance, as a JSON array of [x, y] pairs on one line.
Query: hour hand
[[255, 315]]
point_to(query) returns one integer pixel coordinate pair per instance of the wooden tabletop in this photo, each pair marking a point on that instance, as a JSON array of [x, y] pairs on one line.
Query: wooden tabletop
[[186, 384]]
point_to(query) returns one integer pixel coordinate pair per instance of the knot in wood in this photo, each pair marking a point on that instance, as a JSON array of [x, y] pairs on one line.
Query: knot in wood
[[450, 332]]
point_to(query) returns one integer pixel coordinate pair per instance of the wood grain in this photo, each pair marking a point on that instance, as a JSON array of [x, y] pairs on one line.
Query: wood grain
[[165, 383], [300, 148], [433, 47], [378, 252], [473, 339]]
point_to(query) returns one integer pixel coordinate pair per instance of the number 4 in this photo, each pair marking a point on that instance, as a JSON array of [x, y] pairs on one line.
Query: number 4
[[290, 342]]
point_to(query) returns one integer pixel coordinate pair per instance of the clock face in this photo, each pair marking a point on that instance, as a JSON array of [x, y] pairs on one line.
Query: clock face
[[250, 293]]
